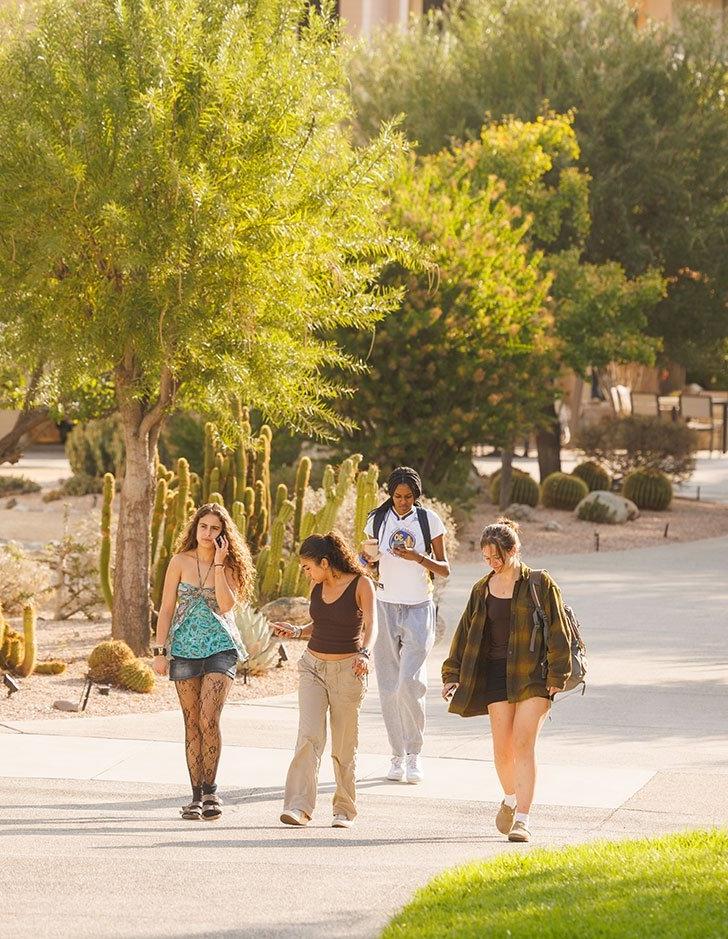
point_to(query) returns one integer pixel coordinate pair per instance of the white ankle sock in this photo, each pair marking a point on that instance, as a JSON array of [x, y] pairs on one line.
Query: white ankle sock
[[510, 801], [522, 817]]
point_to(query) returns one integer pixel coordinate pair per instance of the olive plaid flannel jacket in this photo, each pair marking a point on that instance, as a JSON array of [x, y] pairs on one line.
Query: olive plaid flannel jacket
[[525, 677]]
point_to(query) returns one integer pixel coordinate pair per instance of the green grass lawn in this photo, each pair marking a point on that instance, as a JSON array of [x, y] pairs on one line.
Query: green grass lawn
[[662, 889]]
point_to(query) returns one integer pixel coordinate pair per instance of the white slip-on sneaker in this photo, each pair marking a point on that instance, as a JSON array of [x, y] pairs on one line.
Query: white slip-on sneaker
[[396, 769], [341, 821], [414, 768], [294, 817]]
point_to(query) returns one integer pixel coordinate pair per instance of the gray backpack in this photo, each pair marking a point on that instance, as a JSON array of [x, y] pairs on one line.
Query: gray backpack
[[578, 649]]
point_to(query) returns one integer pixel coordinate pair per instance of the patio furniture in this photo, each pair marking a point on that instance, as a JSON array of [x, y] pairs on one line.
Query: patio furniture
[[621, 400], [645, 404], [697, 412]]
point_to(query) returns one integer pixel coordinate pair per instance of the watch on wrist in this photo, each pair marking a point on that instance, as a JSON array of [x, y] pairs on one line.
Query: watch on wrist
[[159, 650]]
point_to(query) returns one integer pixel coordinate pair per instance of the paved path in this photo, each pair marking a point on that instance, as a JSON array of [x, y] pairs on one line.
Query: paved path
[[91, 803]]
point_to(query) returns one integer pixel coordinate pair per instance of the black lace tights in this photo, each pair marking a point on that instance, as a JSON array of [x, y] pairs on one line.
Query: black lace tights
[[202, 700]]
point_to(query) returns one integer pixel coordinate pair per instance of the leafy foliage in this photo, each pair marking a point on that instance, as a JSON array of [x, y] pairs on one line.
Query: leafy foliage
[[632, 443], [650, 116], [17, 485]]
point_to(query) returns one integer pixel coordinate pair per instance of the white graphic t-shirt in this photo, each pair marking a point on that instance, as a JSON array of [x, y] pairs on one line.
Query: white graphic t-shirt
[[404, 581]]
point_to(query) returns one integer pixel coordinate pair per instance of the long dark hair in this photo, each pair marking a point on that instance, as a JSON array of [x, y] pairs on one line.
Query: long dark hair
[[238, 561], [336, 551], [402, 475]]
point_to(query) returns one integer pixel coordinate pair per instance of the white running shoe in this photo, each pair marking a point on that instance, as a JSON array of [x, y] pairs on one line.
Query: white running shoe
[[341, 821], [396, 769], [414, 768], [294, 817]]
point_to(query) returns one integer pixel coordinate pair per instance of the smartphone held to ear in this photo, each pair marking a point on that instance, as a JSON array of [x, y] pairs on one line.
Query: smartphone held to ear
[[219, 540]]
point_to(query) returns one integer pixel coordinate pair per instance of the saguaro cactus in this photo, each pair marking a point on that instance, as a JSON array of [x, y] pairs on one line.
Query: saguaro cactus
[[105, 555]]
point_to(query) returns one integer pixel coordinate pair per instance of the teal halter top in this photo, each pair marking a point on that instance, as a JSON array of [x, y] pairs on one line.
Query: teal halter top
[[198, 627]]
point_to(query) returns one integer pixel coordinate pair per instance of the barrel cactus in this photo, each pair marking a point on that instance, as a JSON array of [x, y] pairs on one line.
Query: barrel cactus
[[257, 638], [136, 675], [594, 475], [51, 667], [562, 491], [106, 659], [648, 489], [524, 488]]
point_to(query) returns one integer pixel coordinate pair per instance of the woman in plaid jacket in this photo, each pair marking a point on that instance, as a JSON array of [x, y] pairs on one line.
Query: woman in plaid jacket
[[498, 666]]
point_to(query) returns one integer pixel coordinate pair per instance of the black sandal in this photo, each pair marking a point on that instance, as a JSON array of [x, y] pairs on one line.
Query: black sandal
[[211, 807], [191, 812]]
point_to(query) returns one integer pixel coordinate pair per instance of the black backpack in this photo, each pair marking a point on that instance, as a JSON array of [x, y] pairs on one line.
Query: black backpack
[[380, 513], [578, 649]]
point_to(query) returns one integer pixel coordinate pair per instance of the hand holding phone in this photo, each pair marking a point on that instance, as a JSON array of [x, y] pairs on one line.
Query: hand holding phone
[[449, 689]]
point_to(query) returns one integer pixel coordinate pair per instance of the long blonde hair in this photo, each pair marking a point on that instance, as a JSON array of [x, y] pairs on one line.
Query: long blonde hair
[[238, 561]]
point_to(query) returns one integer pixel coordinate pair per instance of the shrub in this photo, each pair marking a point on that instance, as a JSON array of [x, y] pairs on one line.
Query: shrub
[[17, 485], [648, 489], [562, 491], [106, 659], [183, 435], [631, 443], [81, 485], [22, 578], [75, 562], [524, 488], [96, 448], [594, 475]]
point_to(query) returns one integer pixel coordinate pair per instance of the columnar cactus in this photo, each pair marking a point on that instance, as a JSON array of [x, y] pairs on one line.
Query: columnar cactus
[[594, 475], [291, 573], [563, 491], [160, 503], [303, 477], [275, 553], [209, 459], [281, 497], [105, 554], [183, 491], [648, 489], [26, 667], [366, 500]]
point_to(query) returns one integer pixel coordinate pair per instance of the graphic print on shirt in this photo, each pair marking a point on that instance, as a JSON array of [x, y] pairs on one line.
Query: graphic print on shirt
[[401, 538]]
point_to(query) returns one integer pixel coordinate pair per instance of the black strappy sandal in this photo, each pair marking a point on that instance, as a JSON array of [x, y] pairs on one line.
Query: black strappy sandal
[[191, 812], [211, 807]]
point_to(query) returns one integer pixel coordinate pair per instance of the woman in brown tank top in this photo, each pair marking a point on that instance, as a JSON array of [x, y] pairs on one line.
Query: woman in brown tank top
[[332, 676]]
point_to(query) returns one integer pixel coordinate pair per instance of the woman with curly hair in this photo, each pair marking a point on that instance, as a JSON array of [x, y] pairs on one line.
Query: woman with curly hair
[[210, 572], [332, 676]]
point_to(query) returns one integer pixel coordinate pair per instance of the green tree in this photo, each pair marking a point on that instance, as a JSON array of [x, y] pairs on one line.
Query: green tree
[[182, 207], [651, 120], [468, 355]]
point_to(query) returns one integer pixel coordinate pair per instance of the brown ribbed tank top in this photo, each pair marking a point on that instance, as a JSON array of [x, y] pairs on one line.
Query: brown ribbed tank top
[[337, 626]]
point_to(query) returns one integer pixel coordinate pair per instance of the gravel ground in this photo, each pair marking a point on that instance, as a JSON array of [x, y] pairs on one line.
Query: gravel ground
[[686, 520], [72, 640]]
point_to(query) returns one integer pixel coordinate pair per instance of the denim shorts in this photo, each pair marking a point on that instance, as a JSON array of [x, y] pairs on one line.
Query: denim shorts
[[225, 662]]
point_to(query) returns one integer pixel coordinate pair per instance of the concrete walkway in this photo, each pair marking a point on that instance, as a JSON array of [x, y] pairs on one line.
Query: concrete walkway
[[91, 805]]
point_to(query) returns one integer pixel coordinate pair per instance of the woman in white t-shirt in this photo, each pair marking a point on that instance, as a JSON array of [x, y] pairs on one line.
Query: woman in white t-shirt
[[408, 542]]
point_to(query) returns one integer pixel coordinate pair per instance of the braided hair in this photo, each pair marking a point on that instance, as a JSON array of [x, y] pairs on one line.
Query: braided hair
[[401, 476]]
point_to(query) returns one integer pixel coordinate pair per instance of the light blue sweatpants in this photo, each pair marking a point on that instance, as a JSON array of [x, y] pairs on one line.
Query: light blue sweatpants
[[406, 636]]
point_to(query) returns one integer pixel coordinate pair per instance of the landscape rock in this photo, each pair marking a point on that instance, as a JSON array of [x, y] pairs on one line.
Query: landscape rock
[[520, 513], [621, 510], [553, 526], [293, 610]]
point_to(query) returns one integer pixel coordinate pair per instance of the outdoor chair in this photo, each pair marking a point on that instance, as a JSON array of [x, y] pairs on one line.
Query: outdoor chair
[[621, 400], [645, 404], [697, 412]]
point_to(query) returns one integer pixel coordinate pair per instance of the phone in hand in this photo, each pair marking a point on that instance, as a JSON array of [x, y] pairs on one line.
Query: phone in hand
[[219, 541]]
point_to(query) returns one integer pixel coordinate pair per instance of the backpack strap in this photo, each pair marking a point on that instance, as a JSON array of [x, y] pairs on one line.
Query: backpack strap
[[379, 515], [535, 585], [425, 526]]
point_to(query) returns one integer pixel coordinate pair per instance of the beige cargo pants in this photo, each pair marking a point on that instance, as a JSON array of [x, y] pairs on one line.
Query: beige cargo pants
[[334, 688]]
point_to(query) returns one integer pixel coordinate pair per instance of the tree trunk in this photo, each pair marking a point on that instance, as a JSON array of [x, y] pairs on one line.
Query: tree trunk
[[10, 444], [132, 606], [506, 477], [548, 442]]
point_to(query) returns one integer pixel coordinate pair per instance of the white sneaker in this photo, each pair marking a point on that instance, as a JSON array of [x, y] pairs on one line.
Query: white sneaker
[[341, 821], [294, 817], [414, 768], [396, 769]]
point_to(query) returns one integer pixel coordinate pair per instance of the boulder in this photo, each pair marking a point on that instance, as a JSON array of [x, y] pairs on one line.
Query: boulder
[[293, 610], [621, 510], [553, 526], [520, 513]]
